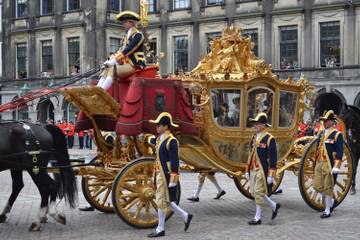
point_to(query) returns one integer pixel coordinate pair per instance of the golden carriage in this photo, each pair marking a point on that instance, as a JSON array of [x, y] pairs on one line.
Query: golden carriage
[[229, 86]]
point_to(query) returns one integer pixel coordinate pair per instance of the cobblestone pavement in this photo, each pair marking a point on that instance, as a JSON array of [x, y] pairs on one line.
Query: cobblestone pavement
[[213, 219]]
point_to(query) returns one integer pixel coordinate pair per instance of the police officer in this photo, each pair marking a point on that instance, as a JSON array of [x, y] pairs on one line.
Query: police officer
[[166, 173], [329, 153], [261, 168], [130, 57]]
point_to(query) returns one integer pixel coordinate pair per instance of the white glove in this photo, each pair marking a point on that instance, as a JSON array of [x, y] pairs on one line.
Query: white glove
[[111, 62], [172, 184], [335, 170], [270, 180], [247, 176]]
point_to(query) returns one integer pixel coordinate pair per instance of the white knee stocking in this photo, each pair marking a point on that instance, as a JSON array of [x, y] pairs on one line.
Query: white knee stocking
[[107, 83], [329, 203], [270, 202], [216, 184], [198, 190], [179, 210], [101, 82], [258, 213], [161, 224]]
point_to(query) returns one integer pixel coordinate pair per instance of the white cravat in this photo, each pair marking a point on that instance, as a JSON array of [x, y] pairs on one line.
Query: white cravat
[[258, 135], [129, 33], [162, 136], [327, 131]]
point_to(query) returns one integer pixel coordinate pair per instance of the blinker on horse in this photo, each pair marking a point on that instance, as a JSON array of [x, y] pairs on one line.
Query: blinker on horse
[[31, 147]]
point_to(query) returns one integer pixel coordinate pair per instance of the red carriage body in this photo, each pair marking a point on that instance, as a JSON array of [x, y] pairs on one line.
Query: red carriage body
[[142, 97]]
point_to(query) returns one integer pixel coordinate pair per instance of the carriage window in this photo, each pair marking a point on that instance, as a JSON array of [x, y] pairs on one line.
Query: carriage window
[[287, 110], [259, 100], [226, 107]]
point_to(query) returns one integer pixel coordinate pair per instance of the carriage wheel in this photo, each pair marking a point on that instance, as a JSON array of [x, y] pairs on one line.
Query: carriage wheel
[[96, 190], [243, 185], [133, 196], [306, 175]]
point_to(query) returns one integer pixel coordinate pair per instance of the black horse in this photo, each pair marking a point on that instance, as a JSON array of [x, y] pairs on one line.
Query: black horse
[[351, 117], [31, 147]]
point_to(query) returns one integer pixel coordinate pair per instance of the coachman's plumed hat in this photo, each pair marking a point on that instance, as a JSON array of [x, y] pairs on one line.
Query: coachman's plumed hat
[[128, 15], [260, 118], [328, 115], [164, 119]]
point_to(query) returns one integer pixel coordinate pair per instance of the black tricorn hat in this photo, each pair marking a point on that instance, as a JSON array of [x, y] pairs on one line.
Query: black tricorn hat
[[127, 15], [260, 118], [164, 119], [328, 115]]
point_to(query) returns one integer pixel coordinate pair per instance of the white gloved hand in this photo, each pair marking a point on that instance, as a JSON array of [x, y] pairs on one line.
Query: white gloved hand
[[247, 176], [335, 170], [270, 180], [172, 184], [111, 62]]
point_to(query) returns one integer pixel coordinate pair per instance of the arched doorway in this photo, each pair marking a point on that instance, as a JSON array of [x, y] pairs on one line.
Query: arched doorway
[[325, 101], [45, 110], [357, 100], [70, 112], [20, 114]]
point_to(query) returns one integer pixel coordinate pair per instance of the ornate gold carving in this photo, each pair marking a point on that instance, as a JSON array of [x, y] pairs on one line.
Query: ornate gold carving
[[231, 58]]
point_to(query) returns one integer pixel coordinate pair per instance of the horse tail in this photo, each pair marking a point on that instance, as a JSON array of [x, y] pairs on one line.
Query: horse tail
[[66, 181]]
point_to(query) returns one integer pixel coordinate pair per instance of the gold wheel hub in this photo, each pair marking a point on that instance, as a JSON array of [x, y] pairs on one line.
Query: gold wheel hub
[[147, 193]]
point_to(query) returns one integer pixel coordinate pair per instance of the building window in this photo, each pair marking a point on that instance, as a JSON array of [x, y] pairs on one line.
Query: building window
[[288, 47], [330, 44], [180, 53], [114, 5], [21, 57], [254, 34], [151, 6], [181, 4], [210, 37], [47, 57], [73, 4], [152, 51], [74, 55], [214, 2], [46, 6], [21, 8], [115, 45]]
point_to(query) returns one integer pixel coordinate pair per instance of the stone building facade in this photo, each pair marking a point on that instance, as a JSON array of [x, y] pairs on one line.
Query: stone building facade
[[46, 41]]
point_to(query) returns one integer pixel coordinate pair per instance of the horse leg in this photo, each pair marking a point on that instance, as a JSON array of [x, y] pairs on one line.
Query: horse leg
[[17, 185], [59, 217], [353, 183], [42, 184]]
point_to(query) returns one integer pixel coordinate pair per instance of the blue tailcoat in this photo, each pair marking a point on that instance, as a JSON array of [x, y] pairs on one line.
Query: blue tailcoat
[[168, 155], [134, 48], [266, 154], [334, 143]]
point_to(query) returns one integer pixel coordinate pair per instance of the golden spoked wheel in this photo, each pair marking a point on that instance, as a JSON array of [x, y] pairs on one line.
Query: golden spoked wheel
[[96, 187], [243, 185], [306, 177], [133, 195]]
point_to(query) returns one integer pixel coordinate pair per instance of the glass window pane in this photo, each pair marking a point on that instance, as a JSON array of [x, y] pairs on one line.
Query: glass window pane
[[46, 6], [74, 54], [114, 5], [151, 6], [21, 8], [226, 107], [179, 4], [330, 44], [288, 47], [259, 100], [47, 56], [21, 54], [210, 37], [287, 111], [253, 33], [115, 44], [73, 4], [181, 53], [214, 2]]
